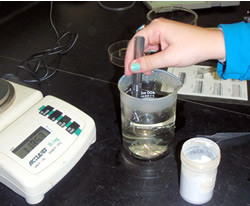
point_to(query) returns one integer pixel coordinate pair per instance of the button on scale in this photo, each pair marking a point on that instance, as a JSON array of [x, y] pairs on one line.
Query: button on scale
[[45, 110], [73, 127], [55, 115], [62, 121]]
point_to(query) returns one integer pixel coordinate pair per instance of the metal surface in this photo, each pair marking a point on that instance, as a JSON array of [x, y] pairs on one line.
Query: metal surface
[[4, 91], [229, 138], [7, 95]]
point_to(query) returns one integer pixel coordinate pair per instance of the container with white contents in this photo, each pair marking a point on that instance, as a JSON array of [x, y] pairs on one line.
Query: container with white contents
[[200, 158]]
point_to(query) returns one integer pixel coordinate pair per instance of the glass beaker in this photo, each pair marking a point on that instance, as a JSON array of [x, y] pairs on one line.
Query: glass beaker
[[148, 122]]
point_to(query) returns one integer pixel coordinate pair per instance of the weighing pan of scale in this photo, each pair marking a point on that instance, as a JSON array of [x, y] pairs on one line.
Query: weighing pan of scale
[[7, 95]]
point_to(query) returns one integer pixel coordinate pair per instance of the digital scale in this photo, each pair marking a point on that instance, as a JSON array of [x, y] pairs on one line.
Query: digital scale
[[41, 140]]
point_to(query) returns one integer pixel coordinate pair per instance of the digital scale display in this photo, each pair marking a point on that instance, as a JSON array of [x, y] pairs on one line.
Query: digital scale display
[[31, 142]]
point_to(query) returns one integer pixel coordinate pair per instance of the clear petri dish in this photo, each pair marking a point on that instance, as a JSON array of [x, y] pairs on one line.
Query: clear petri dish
[[174, 13], [117, 52]]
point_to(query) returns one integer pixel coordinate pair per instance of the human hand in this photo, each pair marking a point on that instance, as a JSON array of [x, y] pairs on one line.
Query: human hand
[[178, 44]]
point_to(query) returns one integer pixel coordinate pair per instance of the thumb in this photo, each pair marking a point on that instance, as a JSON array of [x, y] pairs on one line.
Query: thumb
[[148, 63]]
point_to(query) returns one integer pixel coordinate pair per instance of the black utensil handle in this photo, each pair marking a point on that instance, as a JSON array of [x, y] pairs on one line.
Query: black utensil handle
[[137, 78]]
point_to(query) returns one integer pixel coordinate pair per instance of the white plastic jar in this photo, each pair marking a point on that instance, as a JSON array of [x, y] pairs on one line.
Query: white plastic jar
[[200, 158]]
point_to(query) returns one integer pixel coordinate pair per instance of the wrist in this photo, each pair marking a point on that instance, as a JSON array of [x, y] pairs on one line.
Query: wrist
[[218, 50]]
